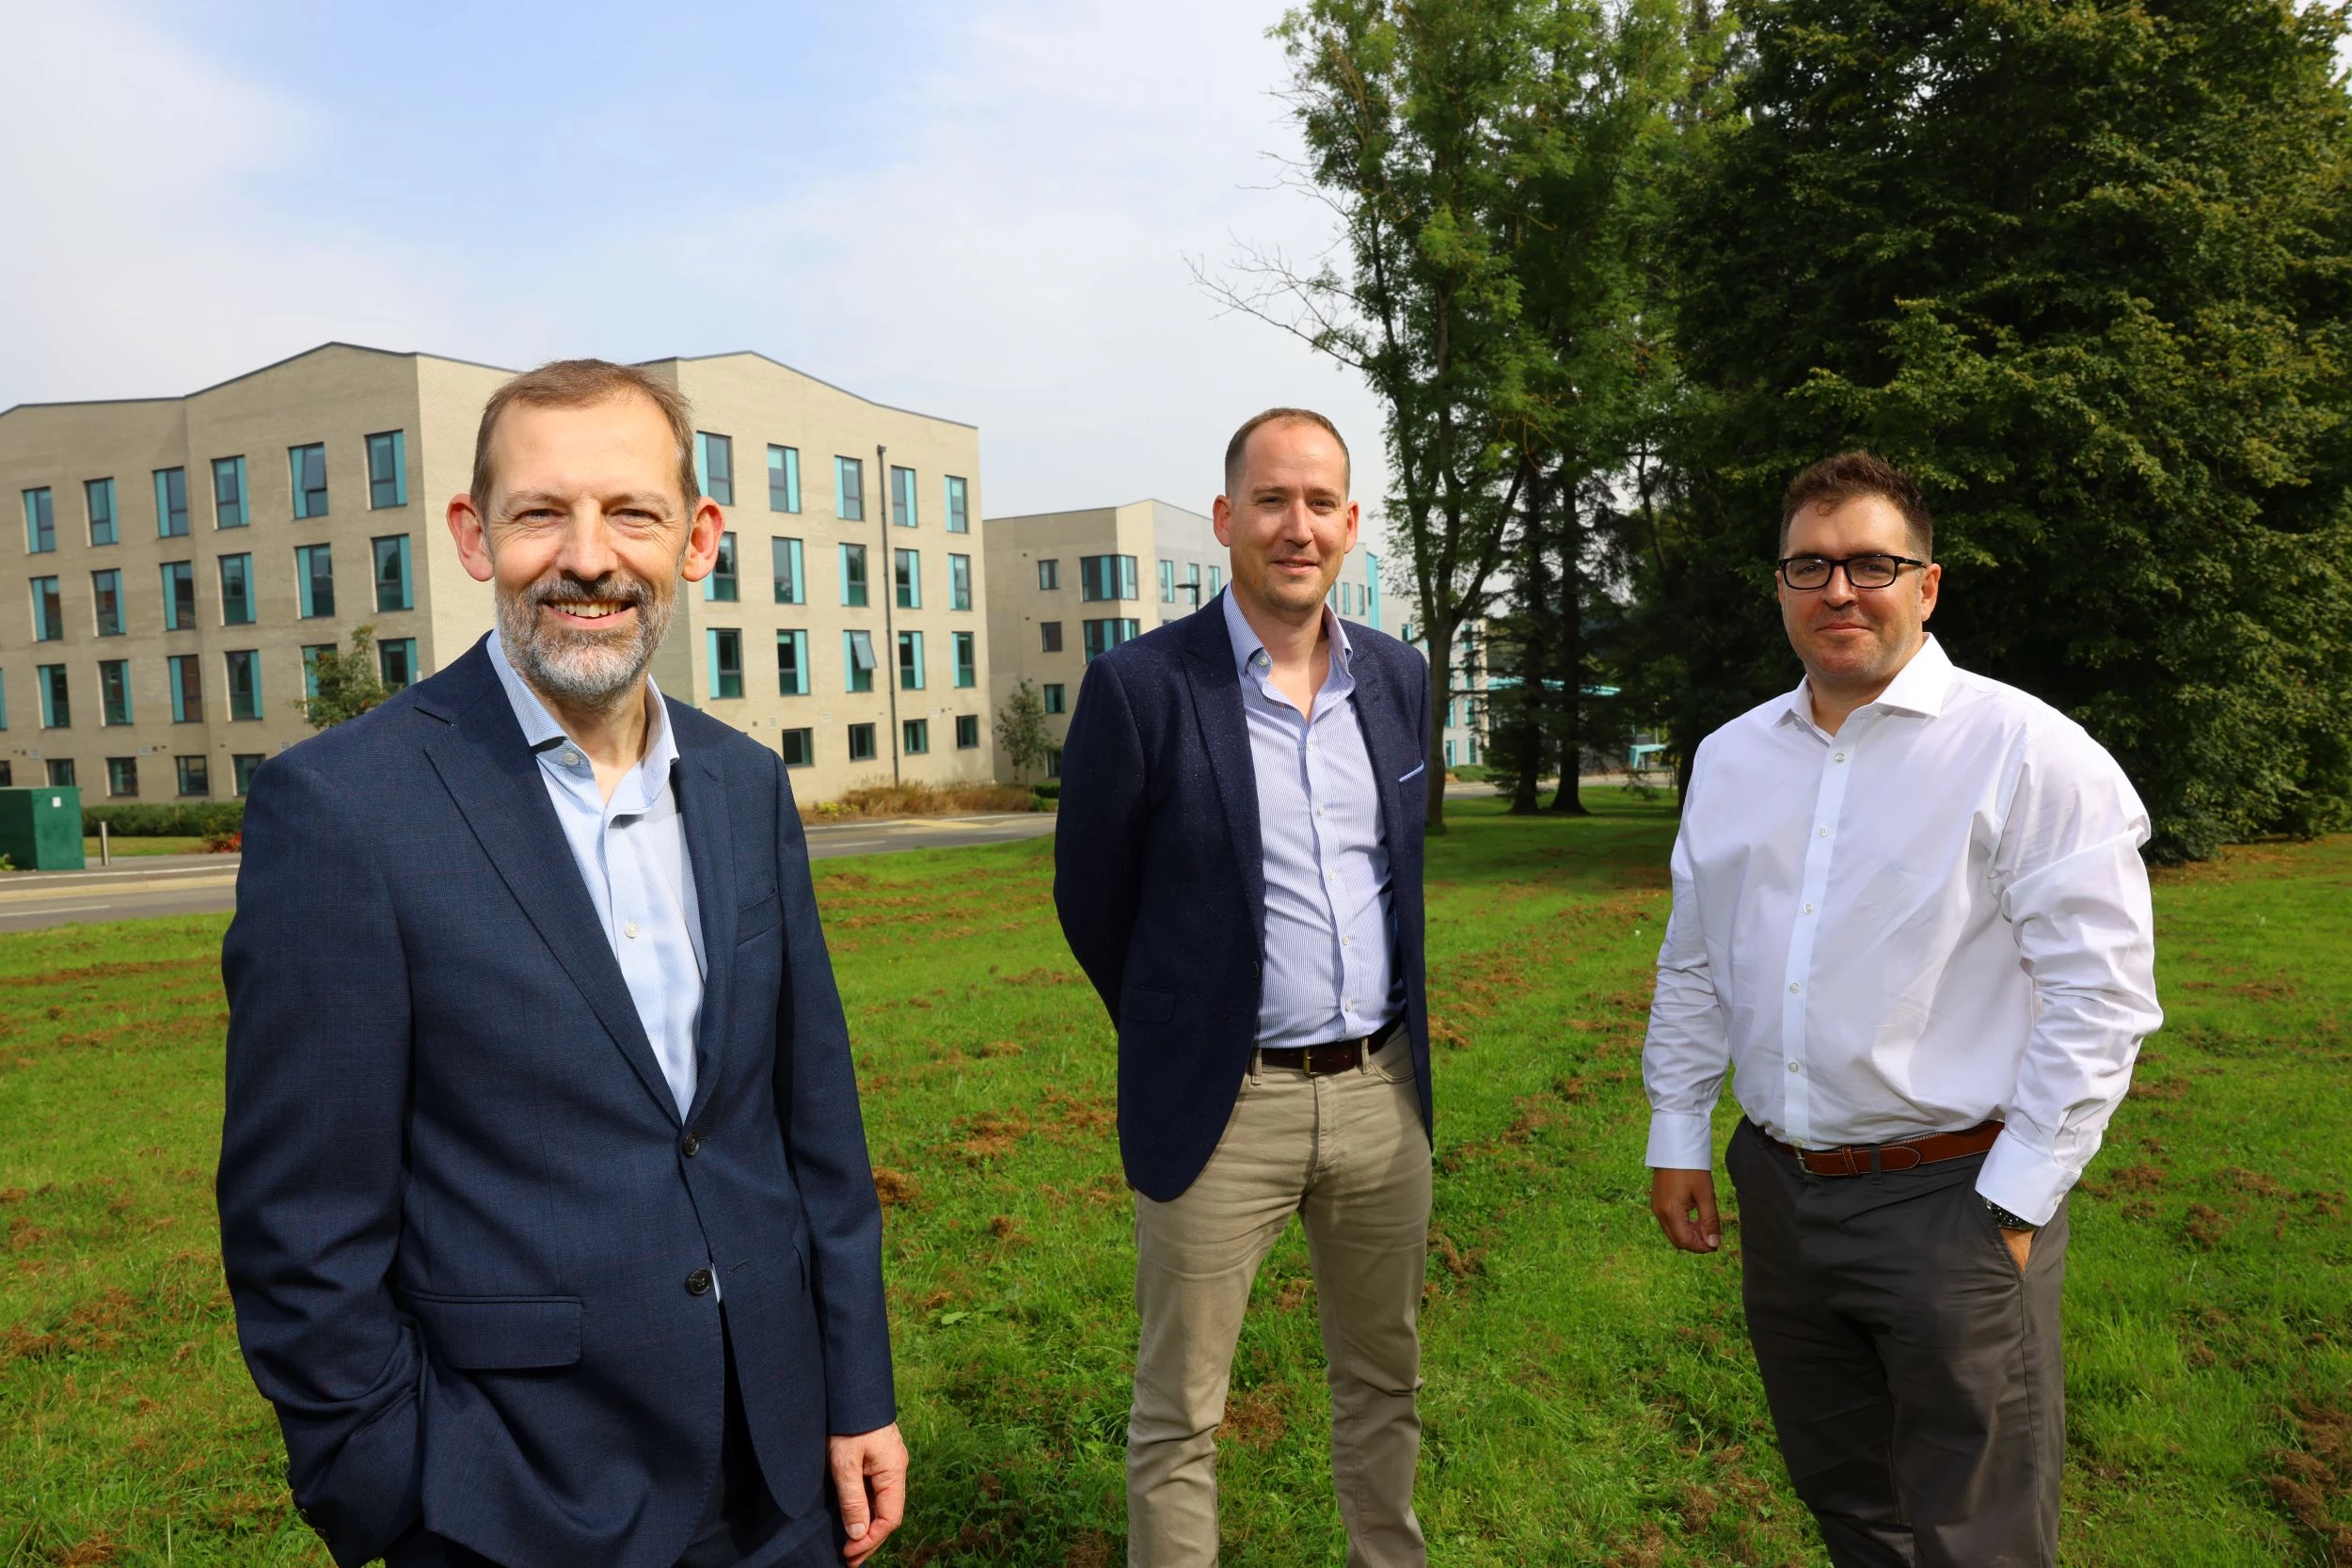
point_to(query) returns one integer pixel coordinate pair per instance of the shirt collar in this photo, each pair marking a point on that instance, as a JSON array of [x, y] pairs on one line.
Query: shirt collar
[[542, 732], [1247, 644], [1920, 686]]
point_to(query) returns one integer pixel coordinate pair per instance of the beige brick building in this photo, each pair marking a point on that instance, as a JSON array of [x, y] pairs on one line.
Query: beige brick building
[[1069, 585], [177, 557]]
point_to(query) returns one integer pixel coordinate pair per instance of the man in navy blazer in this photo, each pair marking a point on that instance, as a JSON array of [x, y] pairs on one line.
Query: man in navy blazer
[[1237, 869], [544, 1197]]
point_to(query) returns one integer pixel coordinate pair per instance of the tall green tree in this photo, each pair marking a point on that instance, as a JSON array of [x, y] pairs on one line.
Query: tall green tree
[[2081, 265], [1022, 734]]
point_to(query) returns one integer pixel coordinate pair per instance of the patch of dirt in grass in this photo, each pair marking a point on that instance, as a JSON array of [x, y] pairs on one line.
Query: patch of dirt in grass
[[2126, 1180], [2314, 1483], [97, 1549], [1649, 1551], [101, 973], [96, 1326], [1254, 1418], [1066, 1116], [990, 1136], [1089, 1548], [894, 1188], [2206, 1227], [1039, 978]]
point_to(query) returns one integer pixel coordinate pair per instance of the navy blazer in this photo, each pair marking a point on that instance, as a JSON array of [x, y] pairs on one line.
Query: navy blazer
[[1159, 874], [458, 1209]]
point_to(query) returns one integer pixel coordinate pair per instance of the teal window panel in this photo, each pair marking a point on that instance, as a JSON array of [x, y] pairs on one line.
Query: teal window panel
[[105, 592], [394, 588], [853, 576], [906, 576], [195, 775], [242, 766], [902, 496], [123, 777], [307, 466], [725, 649], [714, 466], [959, 505], [1057, 697], [185, 674], [244, 683], [848, 489], [178, 595], [171, 503], [784, 479], [967, 732], [311, 653], [791, 577], [1103, 636], [857, 659], [860, 742], [40, 522], [1107, 576], [959, 582], [967, 660], [388, 469], [396, 662], [4, 702], [315, 580], [792, 670], [57, 697], [97, 495], [722, 585], [799, 748], [48, 609], [236, 591], [910, 661], [229, 493], [114, 691], [914, 735]]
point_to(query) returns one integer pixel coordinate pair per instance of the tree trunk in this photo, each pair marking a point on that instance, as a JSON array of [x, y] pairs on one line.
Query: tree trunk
[[1568, 798], [1440, 693], [1528, 718]]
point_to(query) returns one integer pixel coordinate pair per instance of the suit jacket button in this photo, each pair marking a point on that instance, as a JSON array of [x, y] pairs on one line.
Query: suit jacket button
[[698, 1283], [693, 1146]]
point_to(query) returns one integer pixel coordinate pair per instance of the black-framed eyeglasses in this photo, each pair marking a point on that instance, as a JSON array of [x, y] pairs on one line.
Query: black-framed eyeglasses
[[1806, 573]]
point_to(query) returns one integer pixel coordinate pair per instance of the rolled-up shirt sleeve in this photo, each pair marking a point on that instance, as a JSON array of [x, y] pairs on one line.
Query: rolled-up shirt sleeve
[[1688, 1051], [2076, 893]]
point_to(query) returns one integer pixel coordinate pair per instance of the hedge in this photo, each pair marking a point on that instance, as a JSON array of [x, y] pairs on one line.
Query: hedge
[[196, 819]]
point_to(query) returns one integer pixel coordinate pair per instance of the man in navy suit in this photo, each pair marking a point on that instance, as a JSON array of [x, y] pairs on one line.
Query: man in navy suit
[[544, 1197], [1237, 867]]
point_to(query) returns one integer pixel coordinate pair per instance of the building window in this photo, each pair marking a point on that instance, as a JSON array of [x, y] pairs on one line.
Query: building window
[[1168, 582], [860, 742], [61, 774], [4, 720], [853, 576], [122, 776], [241, 767], [41, 522], [388, 469], [714, 466], [1049, 576], [1449, 753], [187, 679], [1216, 580], [315, 580], [915, 736], [105, 592], [178, 595], [1056, 700], [244, 688], [959, 582], [99, 495], [967, 732], [48, 611], [910, 661], [902, 496], [396, 662], [171, 503], [791, 581], [967, 660], [57, 701], [1103, 636], [792, 670], [722, 584], [907, 578], [959, 505], [393, 591], [309, 465], [726, 662], [195, 775], [848, 489], [1053, 762], [857, 657], [229, 493], [1107, 577], [311, 652], [114, 691], [784, 479], [799, 748], [1049, 637], [236, 590]]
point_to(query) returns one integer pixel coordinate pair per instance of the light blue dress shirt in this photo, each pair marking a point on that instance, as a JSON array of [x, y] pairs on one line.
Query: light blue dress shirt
[[631, 852], [1330, 968]]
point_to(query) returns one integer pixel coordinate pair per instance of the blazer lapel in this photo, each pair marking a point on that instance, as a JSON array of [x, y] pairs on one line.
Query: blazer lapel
[[495, 780], [701, 799], [1225, 735]]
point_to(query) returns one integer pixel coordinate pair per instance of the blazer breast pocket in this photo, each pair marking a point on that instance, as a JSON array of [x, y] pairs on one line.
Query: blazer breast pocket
[[755, 920], [1419, 769], [500, 1334]]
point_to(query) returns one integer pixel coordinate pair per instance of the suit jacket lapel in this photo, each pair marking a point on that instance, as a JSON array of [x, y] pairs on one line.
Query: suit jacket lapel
[[1225, 735], [701, 799], [495, 780]]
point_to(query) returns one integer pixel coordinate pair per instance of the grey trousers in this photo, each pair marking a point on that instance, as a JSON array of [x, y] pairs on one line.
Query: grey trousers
[[1913, 1372]]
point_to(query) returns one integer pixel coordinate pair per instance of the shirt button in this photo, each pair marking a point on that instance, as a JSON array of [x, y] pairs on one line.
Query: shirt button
[[1794, 987], [1824, 831], [1808, 909], [1347, 941], [698, 1283], [1838, 756], [1794, 1067], [629, 929], [568, 757]]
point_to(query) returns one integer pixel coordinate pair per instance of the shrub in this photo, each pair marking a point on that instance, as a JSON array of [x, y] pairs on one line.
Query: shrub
[[1048, 789], [195, 819]]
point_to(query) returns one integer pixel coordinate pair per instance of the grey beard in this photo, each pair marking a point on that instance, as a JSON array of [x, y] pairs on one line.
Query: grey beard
[[582, 667]]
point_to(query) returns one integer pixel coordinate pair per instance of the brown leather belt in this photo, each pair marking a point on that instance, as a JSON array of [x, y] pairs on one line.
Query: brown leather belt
[[1862, 1159], [1333, 1057]]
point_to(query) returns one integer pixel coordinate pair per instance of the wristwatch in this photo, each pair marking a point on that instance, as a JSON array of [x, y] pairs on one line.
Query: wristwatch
[[2006, 1220]]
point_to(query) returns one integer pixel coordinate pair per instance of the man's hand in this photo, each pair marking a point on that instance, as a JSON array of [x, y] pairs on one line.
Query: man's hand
[[869, 1471], [1673, 1196], [2020, 1244]]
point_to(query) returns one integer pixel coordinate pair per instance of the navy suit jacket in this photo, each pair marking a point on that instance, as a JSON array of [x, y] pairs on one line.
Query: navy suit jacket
[[1159, 873], [459, 1209]]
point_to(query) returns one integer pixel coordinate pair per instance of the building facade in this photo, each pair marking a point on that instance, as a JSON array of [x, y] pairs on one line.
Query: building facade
[[1069, 586], [181, 561]]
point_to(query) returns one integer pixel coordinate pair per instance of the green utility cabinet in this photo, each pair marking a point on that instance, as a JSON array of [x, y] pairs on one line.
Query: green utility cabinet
[[40, 829]]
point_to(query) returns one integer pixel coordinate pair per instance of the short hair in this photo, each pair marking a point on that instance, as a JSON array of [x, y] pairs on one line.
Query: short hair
[[1851, 475], [1234, 447], [582, 384]]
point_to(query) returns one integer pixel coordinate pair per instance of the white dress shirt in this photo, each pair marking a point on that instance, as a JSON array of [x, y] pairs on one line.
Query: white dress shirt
[[631, 852], [1936, 916], [1328, 965]]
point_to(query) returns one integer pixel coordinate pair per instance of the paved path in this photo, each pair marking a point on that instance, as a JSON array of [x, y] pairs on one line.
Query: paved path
[[137, 886]]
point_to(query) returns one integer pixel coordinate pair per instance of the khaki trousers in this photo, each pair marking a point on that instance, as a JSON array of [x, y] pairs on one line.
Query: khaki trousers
[[1347, 1153]]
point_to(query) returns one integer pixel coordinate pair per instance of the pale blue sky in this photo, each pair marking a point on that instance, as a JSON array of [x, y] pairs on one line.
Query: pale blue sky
[[981, 211]]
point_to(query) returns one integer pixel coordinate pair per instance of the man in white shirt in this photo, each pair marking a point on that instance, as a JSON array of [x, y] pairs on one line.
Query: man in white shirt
[[1910, 917]]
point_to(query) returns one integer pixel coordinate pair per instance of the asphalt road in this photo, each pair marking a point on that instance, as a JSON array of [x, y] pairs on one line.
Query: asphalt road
[[139, 886]]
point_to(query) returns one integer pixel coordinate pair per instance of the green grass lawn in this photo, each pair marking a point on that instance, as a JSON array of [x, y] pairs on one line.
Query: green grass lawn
[[120, 845], [1590, 1398]]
